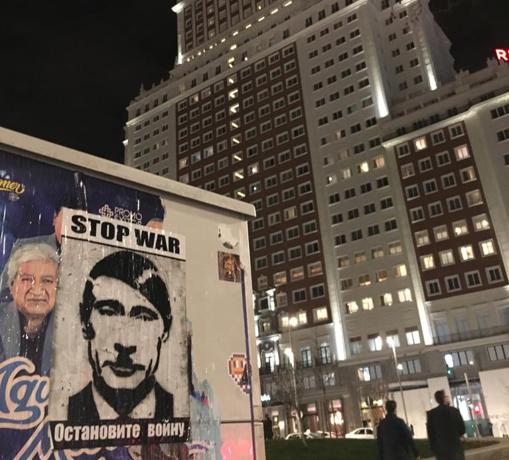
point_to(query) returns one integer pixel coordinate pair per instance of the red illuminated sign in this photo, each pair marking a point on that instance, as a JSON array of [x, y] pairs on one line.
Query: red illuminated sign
[[502, 54]]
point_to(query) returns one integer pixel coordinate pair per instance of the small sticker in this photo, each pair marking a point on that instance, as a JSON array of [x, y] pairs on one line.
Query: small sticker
[[229, 267], [237, 368]]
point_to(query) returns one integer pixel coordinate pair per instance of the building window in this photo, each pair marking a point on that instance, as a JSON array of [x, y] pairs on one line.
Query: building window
[[305, 357], [474, 198], [375, 342], [320, 314], [355, 345], [466, 252], [460, 228], [427, 262], [498, 352], [420, 143], [481, 222], [456, 131], [452, 283], [487, 247], [446, 258], [421, 238], [435, 209], [459, 358], [411, 366], [412, 336], [405, 295], [461, 153], [473, 279], [433, 288], [494, 274], [368, 373]]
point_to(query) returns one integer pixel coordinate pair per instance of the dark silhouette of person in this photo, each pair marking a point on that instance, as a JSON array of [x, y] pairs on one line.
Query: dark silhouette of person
[[394, 438], [126, 316], [267, 428], [445, 428]]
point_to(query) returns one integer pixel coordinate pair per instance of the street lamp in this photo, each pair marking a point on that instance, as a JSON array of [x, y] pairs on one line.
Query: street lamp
[[399, 368], [292, 323]]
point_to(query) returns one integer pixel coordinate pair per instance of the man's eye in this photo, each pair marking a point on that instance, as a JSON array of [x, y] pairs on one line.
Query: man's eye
[[27, 279], [107, 310], [145, 317]]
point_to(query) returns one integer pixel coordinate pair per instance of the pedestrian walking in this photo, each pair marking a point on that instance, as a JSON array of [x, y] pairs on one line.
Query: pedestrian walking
[[445, 429], [394, 439]]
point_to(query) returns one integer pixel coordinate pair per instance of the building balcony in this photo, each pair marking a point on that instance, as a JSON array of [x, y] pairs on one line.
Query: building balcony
[[470, 335]]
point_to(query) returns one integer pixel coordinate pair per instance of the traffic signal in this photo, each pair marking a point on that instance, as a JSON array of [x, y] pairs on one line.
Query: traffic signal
[[449, 365], [449, 371]]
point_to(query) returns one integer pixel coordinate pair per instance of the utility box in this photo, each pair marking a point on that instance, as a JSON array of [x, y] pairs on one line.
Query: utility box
[[126, 319]]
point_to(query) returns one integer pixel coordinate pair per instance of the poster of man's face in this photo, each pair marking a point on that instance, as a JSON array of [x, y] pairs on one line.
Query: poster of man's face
[[124, 313]]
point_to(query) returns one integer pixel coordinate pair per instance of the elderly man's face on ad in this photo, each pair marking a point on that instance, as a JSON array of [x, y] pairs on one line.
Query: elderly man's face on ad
[[34, 288], [128, 334]]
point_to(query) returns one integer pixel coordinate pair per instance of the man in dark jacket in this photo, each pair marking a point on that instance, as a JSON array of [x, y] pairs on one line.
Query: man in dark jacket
[[394, 439], [445, 428]]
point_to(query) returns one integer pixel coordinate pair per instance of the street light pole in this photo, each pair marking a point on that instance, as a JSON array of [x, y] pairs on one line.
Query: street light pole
[[293, 323], [391, 343]]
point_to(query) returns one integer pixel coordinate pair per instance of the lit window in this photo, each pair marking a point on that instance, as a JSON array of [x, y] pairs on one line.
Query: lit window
[[460, 228], [446, 258], [395, 248], [280, 278], [461, 152], [363, 167], [392, 339], [441, 233], [466, 252], [400, 271], [405, 295], [481, 222], [321, 314], [386, 299], [238, 175], [367, 303], [253, 169], [297, 274], [420, 143], [375, 342], [381, 276], [302, 317], [487, 247], [422, 238], [474, 198], [412, 336], [427, 262], [364, 280], [352, 307]]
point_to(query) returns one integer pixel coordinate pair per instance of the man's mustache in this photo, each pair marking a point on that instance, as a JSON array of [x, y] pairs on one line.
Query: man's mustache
[[125, 363]]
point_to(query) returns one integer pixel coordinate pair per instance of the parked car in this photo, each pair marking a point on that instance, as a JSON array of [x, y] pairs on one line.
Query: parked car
[[361, 433], [317, 434], [297, 436]]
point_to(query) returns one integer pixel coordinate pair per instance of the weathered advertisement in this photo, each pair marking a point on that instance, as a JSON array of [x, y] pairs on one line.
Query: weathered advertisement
[[94, 345]]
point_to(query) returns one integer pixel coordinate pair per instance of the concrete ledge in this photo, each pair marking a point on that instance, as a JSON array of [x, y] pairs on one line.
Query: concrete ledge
[[499, 451]]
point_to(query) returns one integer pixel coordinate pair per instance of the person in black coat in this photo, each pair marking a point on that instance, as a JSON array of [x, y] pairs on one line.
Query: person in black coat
[[394, 439], [445, 428]]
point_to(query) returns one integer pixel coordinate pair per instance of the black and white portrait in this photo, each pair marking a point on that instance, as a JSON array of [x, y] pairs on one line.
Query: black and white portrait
[[124, 297], [123, 312]]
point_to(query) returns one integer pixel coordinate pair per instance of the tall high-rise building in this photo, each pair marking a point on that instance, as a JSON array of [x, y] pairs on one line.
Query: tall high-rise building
[[379, 177]]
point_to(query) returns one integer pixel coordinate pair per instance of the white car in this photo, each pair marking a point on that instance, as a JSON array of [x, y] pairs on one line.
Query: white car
[[296, 436], [361, 433]]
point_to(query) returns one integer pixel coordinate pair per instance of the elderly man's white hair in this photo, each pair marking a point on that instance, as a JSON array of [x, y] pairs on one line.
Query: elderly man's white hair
[[27, 253]]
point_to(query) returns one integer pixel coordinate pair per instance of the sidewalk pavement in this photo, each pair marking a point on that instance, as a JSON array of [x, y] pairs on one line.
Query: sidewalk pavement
[[499, 451]]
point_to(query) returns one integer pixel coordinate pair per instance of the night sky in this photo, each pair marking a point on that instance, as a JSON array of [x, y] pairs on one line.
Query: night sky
[[68, 69]]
